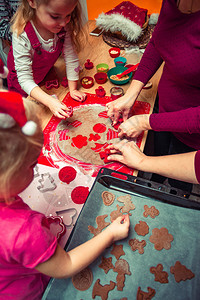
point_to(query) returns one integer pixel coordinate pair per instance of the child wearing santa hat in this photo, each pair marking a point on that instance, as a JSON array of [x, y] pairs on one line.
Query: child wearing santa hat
[[29, 252]]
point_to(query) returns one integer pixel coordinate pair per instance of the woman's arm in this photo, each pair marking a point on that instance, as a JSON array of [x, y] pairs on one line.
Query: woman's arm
[[149, 64], [182, 167], [187, 120], [65, 264]]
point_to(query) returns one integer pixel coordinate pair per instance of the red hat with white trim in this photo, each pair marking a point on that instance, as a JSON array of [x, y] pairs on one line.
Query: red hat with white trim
[[12, 111]]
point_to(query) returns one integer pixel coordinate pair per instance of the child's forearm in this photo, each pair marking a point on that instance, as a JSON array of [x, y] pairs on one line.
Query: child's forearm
[[70, 263], [38, 94], [72, 85], [179, 166], [63, 264]]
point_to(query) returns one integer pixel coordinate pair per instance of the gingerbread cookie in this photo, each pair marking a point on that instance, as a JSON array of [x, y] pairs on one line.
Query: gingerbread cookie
[[181, 272], [128, 204], [160, 275], [142, 228], [122, 268], [161, 238], [116, 213], [102, 290], [135, 244], [145, 295], [83, 280], [117, 251], [106, 264], [108, 198], [101, 224], [150, 211]]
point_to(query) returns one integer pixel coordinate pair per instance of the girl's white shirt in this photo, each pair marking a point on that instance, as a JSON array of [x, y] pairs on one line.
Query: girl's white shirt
[[23, 57]]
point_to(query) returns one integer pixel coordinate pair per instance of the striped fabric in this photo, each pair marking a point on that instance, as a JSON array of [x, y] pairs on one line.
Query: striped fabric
[[7, 10]]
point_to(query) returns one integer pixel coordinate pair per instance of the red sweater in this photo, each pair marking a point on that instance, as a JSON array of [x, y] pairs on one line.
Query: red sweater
[[176, 41]]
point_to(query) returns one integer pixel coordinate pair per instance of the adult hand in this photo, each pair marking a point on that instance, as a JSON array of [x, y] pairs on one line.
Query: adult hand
[[78, 96], [134, 126], [121, 106], [127, 153]]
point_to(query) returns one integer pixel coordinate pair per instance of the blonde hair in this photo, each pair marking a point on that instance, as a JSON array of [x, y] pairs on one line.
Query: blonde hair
[[15, 148], [26, 13]]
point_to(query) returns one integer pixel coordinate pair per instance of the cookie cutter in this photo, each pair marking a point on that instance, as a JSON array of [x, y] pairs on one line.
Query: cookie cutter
[[59, 221], [72, 213]]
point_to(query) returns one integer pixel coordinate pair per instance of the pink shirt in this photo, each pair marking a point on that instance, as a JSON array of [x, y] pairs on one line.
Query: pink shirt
[[25, 241]]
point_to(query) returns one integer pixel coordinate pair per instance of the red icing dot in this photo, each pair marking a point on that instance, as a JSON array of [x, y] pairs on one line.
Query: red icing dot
[[99, 128], [79, 141], [79, 194], [67, 174]]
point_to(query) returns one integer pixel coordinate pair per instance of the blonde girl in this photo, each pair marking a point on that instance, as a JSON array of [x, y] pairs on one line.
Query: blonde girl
[[42, 29], [29, 253]]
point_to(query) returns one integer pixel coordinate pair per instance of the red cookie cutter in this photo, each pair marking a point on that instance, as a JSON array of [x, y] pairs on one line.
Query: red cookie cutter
[[104, 154], [64, 82], [52, 84], [100, 92], [59, 222], [88, 65], [120, 121]]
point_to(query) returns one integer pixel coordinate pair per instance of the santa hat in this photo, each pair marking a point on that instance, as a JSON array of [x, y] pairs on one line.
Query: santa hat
[[126, 18], [12, 111]]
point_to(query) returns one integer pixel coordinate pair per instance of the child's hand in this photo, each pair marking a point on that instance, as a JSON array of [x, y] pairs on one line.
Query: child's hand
[[120, 228], [78, 96], [59, 109]]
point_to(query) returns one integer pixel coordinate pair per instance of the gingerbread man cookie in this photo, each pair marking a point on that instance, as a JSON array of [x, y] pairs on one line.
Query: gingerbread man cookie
[[106, 264], [101, 224], [135, 244], [150, 211], [142, 228], [160, 275], [128, 204], [102, 290], [161, 238], [181, 272], [108, 198]]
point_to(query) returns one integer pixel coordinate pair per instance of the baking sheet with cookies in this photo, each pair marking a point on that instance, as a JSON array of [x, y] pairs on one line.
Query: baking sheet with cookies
[[159, 259]]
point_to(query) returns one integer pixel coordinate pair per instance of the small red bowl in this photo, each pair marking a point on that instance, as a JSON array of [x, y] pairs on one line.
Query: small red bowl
[[114, 52], [87, 82], [100, 77]]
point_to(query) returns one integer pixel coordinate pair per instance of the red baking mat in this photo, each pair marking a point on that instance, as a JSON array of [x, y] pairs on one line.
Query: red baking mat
[[51, 153]]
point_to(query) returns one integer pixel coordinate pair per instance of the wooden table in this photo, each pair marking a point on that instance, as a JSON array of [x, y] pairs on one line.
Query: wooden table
[[97, 51]]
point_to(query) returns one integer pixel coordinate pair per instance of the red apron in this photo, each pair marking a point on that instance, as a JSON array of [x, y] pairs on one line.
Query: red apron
[[43, 60]]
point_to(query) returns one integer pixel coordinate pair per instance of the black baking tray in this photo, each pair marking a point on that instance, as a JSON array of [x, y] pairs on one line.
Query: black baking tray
[[179, 215]]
